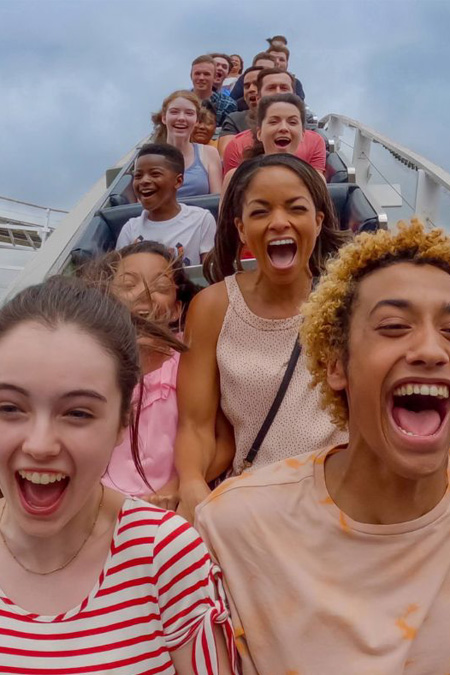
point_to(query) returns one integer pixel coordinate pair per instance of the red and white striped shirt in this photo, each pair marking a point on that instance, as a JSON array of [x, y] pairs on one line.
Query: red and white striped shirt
[[157, 591]]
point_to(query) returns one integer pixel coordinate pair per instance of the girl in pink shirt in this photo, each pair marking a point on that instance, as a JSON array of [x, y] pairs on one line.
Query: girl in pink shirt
[[147, 278]]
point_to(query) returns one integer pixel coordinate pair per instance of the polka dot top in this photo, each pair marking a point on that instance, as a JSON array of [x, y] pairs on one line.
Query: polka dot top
[[252, 356]]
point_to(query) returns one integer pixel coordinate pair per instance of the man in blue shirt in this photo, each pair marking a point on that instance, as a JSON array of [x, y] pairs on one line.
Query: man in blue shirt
[[202, 75]]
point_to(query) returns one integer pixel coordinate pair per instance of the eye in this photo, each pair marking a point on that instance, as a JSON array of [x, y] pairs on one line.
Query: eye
[[299, 208], [79, 414], [258, 212], [9, 409], [393, 329]]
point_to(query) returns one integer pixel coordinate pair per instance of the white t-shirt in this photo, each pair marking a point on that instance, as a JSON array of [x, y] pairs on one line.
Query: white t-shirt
[[189, 234]]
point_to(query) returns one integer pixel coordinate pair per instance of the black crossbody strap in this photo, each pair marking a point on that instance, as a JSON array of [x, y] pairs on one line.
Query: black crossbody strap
[[274, 407]]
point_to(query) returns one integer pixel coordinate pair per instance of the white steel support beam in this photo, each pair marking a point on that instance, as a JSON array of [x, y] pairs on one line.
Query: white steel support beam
[[427, 198], [360, 159]]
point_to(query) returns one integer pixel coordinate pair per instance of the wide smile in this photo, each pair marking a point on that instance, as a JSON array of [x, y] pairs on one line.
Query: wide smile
[[282, 252], [419, 411], [282, 142], [147, 194], [41, 492]]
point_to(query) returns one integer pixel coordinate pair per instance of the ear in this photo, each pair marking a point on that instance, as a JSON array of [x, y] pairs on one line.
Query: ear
[[258, 134], [176, 311], [319, 220], [336, 375], [179, 180], [240, 228]]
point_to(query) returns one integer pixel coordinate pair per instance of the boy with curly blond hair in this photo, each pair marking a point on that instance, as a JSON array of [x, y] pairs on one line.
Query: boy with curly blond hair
[[339, 561]]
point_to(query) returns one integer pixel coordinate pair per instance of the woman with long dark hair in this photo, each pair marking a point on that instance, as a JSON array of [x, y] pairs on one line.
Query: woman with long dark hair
[[242, 330]]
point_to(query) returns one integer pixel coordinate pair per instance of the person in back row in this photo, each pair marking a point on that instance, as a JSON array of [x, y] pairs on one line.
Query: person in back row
[[174, 124], [338, 561], [281, 56], [203, 72], [187, 230], [242, 332], [239, 121], [261, 60], [205, 126], [233, 75], [312, 149], [223, 66]]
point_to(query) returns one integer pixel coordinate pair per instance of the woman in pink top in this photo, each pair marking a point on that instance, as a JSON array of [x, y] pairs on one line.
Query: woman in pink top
[[153, 285]]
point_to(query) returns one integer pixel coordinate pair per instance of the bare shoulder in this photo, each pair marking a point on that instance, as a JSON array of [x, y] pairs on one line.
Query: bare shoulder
[[207, 310], [211, 152]]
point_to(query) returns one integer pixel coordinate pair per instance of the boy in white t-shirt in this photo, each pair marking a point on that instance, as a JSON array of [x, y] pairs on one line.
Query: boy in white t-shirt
[[188, 230]]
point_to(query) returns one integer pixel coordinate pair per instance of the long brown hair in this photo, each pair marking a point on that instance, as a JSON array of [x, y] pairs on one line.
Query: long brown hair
[[224, 259], [160, 130]]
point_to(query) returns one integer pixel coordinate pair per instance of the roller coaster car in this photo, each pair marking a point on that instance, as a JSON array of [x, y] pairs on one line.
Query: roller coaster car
[[352, 207]]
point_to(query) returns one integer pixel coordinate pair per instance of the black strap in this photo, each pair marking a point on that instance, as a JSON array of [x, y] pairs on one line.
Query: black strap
[[275, 406]]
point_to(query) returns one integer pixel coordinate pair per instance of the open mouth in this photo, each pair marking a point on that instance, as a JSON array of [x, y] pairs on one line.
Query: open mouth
[[282, 142], [147, 193], [41, 491], [282, 252], [420, 409]]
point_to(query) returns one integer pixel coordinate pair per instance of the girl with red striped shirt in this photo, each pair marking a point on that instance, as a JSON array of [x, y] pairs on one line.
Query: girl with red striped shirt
[[90, 581]]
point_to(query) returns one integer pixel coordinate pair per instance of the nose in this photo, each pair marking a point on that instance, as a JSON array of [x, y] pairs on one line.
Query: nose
[[279, 222], [429, 349], [283, 125], [41, 441]]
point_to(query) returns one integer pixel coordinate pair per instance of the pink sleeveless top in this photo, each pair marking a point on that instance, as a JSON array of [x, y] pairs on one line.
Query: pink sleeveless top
[[252, 355]]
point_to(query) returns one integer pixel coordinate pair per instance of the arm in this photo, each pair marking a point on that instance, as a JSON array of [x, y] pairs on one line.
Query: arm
[[182, 658], [198, 393], [214, 169]]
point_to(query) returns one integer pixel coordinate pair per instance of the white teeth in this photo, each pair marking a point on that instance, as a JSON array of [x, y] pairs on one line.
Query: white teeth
[[281, 242], [408, 433], [438, 391], [41, 478]]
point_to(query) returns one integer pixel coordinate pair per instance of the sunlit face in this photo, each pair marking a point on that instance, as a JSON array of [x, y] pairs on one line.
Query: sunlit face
[[278, 83], [155, 182], [397, 379], [222, 70], [144, 282], [202, 76], [180, 118], [281, 130], [250, 89], [279, 223], [60, 419], [205, 128], [281, 59]]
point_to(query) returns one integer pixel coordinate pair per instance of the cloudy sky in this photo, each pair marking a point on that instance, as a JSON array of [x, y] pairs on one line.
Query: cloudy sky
[[79, 78]]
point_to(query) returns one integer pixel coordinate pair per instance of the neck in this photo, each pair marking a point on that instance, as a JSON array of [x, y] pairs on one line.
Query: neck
[[365, 489], [183, 144], [203, 95], [165, 211], [41, 554], [286, 298]]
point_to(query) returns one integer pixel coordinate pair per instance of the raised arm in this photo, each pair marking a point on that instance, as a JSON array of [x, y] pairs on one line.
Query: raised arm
[[198, 392]]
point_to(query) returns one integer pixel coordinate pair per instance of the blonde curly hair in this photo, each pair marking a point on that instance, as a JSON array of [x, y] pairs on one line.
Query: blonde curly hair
[[325, 329]]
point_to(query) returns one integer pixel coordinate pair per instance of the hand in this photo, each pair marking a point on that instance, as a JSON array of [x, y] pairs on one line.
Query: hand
[[168, 502], [191, 494]]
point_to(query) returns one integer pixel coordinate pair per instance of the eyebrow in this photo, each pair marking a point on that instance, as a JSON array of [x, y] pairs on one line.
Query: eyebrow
[[266, 203], [404, 304], [90, 393]]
